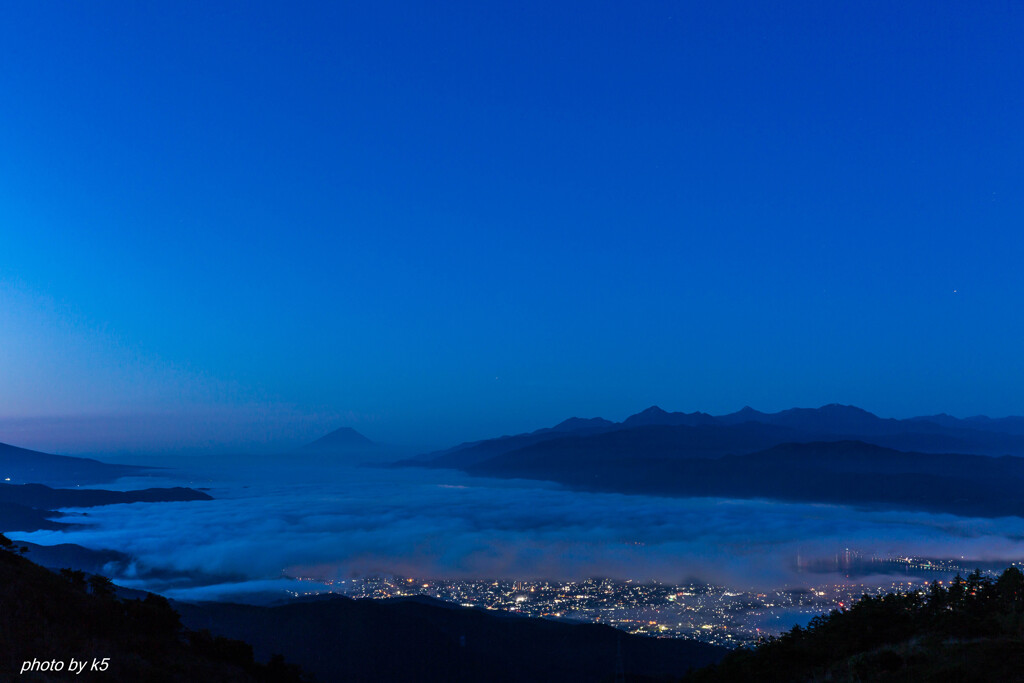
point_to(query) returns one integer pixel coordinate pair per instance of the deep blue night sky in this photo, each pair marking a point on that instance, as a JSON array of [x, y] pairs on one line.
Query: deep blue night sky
[[236, 225]]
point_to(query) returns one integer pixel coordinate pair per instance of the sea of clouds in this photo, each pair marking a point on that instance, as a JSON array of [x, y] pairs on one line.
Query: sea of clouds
[[282, 517]]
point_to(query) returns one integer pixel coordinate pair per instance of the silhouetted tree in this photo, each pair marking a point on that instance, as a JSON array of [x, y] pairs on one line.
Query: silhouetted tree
[[101, 586], [75, 577]]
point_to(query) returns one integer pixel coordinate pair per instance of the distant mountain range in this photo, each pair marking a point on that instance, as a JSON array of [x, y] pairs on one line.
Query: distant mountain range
[[935, 434], [833, 454]]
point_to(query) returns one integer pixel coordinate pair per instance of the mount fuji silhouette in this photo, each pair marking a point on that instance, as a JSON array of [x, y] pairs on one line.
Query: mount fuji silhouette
[[343, 440]]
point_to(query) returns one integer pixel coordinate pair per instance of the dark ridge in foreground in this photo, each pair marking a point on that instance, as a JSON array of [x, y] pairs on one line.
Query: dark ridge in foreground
[[20, 465], [46, 617], [341, 639], [61, 555], [37, 495], [841, 472], [24, 518], [971, 632], [29, 507]]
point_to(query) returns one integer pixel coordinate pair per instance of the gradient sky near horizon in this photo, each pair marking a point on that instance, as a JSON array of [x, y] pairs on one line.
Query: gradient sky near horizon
[[238, 225]]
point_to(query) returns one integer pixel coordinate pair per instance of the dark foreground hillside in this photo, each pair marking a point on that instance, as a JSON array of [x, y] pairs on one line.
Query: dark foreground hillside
[[54, 617], [29, 507], [424, 640], [970, 632]]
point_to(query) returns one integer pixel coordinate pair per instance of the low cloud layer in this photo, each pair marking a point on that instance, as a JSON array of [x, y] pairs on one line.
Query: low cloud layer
[[343, 521]]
